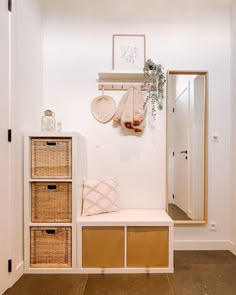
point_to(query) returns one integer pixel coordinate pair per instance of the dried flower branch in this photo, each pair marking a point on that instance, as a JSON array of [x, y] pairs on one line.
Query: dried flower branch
[[154, 78]]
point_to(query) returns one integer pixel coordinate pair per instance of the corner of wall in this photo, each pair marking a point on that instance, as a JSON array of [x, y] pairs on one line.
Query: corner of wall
[[17, 273]]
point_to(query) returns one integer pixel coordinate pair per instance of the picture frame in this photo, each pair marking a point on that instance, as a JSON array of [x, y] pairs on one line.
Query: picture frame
[[128, 52]]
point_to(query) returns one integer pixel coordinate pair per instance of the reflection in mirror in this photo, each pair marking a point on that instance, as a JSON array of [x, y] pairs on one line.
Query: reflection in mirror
[[186, 157]]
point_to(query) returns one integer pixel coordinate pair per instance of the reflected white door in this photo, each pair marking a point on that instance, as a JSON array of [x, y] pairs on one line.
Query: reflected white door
[[181, 123], [4, 148]]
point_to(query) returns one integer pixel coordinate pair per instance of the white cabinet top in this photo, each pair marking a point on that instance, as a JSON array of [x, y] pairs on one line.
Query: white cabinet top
[[135, 217], [53, 134]]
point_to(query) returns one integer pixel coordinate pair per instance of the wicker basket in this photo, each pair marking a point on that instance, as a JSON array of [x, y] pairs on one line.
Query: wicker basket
[[51, 202], [50, 247], [51, 158]]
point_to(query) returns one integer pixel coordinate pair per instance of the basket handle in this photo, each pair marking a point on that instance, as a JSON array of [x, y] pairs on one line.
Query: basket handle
[[51, 143], [50, 231], [52, 187]]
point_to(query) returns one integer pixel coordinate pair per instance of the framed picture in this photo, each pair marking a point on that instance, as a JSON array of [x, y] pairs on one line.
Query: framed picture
[[128, 52]]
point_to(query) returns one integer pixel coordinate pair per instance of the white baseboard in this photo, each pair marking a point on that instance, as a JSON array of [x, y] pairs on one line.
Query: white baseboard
[[16, 273], [202, 245], [232, 248]]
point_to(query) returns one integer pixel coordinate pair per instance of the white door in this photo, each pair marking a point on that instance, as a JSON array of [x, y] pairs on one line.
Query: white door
[[181, 121], [4, 147]]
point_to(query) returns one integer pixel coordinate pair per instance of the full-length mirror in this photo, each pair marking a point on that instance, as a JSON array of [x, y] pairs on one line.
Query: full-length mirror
[[187, 146]]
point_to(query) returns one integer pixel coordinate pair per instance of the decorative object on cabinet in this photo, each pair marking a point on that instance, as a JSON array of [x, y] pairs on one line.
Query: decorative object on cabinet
[[154, 79], [130, 111], [99, 196], [54, 168], [128, 52], [48, 122], [103, 107]]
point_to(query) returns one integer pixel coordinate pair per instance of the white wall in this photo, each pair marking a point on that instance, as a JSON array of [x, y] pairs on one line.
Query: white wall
[[26, 106], [181, 35], [233, 122]]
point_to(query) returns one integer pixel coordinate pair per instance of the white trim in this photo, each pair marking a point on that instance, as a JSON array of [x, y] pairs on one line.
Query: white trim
[[232, 248], [125, 246], [171, 247], [17, 273], [128, 270], [201, 245], [99, 270], [50, 270]]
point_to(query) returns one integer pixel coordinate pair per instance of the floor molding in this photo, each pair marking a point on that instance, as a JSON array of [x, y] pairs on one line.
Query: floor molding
[[232, 248], [202, 245], [17, 273]]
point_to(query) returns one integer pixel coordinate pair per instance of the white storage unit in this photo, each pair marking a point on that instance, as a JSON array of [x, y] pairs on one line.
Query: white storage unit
[[126, 241], [54, 167]]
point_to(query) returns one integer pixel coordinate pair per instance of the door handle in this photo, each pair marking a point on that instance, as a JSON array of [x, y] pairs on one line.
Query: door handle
[[184, 152]]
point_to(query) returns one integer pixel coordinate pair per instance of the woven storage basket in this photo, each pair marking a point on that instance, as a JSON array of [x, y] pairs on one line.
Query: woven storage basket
[[51, 202], [50, 247], [51, 158]]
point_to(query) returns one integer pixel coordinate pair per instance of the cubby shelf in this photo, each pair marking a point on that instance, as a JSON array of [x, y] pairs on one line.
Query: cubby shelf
[[34, 224]]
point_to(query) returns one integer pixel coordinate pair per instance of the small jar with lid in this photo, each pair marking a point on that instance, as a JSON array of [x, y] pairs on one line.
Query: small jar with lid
[[48, 121]]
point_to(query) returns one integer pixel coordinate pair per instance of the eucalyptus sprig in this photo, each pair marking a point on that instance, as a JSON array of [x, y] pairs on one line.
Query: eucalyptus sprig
[[154, 79]]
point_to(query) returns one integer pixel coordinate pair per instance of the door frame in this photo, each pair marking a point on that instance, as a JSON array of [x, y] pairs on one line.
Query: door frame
[[204, 221]]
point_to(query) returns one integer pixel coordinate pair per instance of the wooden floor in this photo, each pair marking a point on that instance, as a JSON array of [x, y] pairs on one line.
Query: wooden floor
[[176, 213], [196, 273]]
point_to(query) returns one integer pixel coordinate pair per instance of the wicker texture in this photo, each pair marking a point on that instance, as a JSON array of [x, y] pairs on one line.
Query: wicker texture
[[51, 202], [51, 158], [50, 247]]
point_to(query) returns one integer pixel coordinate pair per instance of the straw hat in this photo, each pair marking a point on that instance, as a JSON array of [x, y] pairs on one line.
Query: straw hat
[[103, 108]]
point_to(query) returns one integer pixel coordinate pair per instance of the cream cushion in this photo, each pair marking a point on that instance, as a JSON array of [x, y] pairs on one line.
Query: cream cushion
[[99, 196]]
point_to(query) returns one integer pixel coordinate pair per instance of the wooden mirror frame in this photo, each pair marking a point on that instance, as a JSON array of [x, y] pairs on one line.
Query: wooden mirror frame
[[205, 214]]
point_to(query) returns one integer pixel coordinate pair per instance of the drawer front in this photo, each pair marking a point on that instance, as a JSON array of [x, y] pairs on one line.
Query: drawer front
[[147, 246], [51, 158], [50, 247], [103, 247], [51, 202]]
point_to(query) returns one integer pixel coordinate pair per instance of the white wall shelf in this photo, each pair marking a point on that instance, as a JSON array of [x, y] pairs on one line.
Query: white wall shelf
[[121, 76], [120, 80]]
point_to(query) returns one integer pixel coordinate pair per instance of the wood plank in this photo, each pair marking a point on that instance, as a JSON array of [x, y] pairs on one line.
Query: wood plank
[[103, 247], [147, 246]]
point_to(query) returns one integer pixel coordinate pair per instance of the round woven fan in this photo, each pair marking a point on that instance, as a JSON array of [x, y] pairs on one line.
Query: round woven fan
[[103, 108]]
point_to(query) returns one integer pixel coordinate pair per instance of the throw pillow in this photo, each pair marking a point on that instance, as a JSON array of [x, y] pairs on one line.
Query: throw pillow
[[99, 196]]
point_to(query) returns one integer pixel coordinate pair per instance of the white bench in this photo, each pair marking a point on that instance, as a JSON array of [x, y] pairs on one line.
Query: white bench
[[126, 241]]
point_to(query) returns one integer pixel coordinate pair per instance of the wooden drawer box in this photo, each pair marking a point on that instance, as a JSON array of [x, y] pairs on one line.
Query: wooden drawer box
[[147, 246], [50, 247], [103, 247], [51, 202], [51, 158]]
